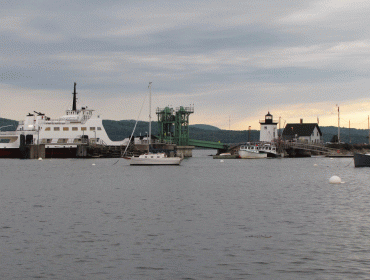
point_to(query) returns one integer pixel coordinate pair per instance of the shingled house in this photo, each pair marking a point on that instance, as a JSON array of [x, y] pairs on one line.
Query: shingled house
[[303, 132]]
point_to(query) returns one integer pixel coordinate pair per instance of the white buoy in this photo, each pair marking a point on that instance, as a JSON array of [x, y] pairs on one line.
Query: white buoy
[[315, 164], [221, 160], [93, 164], [335, 180], [40, 158]]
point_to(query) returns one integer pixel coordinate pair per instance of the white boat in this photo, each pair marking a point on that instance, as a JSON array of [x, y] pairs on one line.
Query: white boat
[[269, 149], [251, 151], [61, 136], [153, 158]]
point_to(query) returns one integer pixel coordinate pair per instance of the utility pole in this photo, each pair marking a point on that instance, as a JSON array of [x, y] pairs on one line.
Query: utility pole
[[349, 131], [229, 122], [338, 126], [368, 127], [279, 128], [249, 133], [150, 114]]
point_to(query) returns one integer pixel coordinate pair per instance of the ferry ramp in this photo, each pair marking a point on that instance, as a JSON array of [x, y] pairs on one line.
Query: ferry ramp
[[317, 148], [208, 144]]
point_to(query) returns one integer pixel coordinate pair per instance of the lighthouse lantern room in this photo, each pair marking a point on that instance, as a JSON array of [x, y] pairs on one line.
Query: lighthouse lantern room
[[268, 131]]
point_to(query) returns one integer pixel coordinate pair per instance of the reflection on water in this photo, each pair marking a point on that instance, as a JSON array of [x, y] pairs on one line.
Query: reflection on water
[[205, 219]]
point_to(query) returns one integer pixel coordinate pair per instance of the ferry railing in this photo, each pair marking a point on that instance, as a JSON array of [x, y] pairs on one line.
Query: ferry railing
[[9, 133]]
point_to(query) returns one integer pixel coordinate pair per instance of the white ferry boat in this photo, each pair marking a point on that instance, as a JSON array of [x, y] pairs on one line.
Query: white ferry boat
[[61, 136]]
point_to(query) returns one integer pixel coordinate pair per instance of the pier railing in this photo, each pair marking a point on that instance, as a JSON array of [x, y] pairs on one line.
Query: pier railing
[[312, 147]]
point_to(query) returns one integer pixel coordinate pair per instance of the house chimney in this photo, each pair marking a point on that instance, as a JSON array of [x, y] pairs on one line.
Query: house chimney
[[301, 121]]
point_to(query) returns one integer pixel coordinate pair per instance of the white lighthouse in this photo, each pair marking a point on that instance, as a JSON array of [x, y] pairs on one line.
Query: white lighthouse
[[268, 131]]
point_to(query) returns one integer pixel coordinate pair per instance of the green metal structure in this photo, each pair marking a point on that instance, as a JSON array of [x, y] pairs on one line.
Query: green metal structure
[[174, 124], [174, 128]]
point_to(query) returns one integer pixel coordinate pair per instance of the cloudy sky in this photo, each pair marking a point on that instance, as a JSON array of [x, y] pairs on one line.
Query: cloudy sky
[[234, 60]]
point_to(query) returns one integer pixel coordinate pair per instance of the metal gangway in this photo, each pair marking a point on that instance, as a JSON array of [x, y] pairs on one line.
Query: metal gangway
[[310, 147]]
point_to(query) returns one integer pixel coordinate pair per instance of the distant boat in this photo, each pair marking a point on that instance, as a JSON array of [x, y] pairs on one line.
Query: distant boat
[[153, 158], [251, 151], [225, 156], [361, 160]]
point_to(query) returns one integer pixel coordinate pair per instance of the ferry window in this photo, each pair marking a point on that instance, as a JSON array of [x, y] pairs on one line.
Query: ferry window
[[92, 128], [65, 128], [99, 128], [83, 128], [74, 128], [56, 128], [47, 128]]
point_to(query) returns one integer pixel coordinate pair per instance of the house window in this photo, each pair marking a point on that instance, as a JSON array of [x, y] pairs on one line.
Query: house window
[[92, 128], [74, 128], [47, 128], [56, 128], [65, 128], [317, 134], [83, 128], [99, 128]]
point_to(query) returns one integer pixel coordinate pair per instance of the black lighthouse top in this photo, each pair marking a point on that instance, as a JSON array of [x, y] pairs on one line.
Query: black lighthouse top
[[268, 119]]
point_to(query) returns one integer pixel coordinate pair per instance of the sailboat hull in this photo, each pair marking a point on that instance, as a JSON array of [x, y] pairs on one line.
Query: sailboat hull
[[155, 161]]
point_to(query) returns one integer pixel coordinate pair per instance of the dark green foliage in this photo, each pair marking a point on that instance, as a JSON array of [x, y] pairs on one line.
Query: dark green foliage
[[5, 122], [334, 139], [119, 130], [204, 126]]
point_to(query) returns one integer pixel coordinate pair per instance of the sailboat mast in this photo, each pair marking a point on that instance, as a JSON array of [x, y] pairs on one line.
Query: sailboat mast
[[150, 115]]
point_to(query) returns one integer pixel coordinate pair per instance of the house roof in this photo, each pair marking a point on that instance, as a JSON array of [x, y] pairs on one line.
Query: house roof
[[301, 129]]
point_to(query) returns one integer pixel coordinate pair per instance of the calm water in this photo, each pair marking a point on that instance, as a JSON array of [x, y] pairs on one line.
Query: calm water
[[207, 219]]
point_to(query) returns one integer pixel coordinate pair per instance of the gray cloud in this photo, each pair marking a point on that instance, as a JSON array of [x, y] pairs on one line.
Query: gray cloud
[[198, 52]]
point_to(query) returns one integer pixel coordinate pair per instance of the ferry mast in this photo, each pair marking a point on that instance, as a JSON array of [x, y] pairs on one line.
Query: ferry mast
[[74, 99]]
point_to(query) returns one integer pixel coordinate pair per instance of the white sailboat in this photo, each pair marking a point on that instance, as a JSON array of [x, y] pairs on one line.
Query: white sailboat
[[153, 158]]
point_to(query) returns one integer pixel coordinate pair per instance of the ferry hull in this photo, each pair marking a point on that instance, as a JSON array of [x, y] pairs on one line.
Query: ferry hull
[[61, 152], [11, 153]]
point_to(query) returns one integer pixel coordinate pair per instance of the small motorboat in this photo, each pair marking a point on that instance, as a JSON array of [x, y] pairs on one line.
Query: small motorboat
[[361, 160], [251, 151]]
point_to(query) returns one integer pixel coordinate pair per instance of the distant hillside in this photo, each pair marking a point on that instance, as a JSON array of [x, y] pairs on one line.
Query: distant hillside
[[204, 126], [118, 130], [6, 124]]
